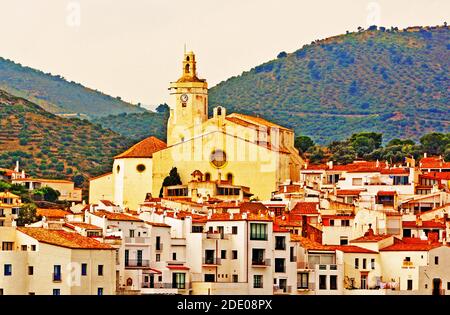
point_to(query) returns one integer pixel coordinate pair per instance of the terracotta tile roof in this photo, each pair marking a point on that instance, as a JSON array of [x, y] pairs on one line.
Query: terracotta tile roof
[[305, 208], [82, 225], [253, 207], [143, 149], [157, 224], [63, 238], [256, 120], [433, 162], [339, 217], [353, 249], [112, 216], [7, 194], [310, 244], [437, 175], [395, 171], [287, 222], [238, 217], [425, 224], [349, 192], [108, 203], [52, 213], [402, 246], [370, 238]]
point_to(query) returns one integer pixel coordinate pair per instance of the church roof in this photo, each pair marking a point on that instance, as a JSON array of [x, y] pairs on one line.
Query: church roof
[[143, 149], [188, 78], [238, 118]]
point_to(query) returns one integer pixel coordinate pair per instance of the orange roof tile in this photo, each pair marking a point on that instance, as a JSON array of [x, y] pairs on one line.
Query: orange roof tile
[[370, 238], [116, 216], [82, 225], [401, 246], [52, 213], [425, 224], [143, 149], [353, 249], [253, 207], [157, 224], [305, 208], [63, 238], [349, 192]]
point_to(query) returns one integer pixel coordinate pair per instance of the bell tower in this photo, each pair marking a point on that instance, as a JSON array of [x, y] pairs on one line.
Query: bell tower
[[188, 102]]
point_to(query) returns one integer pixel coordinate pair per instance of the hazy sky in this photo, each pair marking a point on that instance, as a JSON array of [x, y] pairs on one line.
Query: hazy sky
[[133, 48]]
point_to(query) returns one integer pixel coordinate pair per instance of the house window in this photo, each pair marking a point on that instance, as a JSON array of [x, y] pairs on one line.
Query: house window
[[158, 257], [24, 248], [448, 285], [179, 280], [83, 269], [30, 270], [234, 254], [356, 263], [333, 282], [100, 291], [7, 269], [343, 240], [131, 233], [436, 260], [56, 291], [234, 230], [280, 265], [407, 258], [100, 270], [372, 263], [331, 222], [174, 256], [364, 265], [209, 277], [303, 280], [33, 248], [7, 246], [197, 229], [257, 281], [345, 223], [280, 242], [258, 231], [235, 278], [56, 272], [322, 282], [223, 254], [291, 254], [258, 256], [357, 181]]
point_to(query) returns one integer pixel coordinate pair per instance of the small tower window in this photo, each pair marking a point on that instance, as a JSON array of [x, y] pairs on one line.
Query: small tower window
[[118, 168], [207, 177], [219, 111], [187, 69], [187, 58], [140, 168], [230, 178]]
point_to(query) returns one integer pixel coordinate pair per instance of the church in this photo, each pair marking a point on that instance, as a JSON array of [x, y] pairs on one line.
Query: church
[[226, 156]]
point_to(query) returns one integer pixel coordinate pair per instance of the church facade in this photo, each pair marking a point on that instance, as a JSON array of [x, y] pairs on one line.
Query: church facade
[[233, 151]]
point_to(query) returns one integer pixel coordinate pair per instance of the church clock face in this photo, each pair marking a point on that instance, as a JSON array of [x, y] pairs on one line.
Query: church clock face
[[184, 97], [218, 158]]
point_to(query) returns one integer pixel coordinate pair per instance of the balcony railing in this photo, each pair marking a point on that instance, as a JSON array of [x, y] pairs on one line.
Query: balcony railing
[[211, 261], [56, 277], [260, 262], [278, 289], [161, 285], [407, 264], [311, 286], [137, 263]]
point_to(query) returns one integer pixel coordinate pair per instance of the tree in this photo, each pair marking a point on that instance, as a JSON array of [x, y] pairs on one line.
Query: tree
[[316, 154], [363, 145], [171, 180], [78, 180], [27, 214], [435, 143], [342, 152], [303, 143], [163, 108], [282, 54], [47, 193], [375, 136]]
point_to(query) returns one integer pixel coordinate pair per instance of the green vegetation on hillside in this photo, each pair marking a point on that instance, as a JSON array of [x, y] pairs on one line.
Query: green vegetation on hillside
[[368, 146], [56, 95], [381, 80], [53, 147]]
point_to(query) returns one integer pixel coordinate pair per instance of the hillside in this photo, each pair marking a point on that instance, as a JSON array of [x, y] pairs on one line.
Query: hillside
[[136, 126], [58, 96], [384, 80], [51, 146]]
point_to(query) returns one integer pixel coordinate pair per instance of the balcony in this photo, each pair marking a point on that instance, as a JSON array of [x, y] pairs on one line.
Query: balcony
[[56, 277], [407, 264], [260, 262], [137, 240], [211, 261], [311, 286], [303, 265], [280, 290], [137, 263]]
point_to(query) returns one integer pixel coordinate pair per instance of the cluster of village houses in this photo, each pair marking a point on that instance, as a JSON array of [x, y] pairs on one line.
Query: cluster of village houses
[[247, 216], [361, 228]]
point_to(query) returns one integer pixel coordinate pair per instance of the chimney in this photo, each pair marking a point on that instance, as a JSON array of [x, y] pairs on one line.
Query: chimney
[[231, 216], [436, 218], [330, 164], [244, 215], [377, 164], [370, 231], [425, 154]]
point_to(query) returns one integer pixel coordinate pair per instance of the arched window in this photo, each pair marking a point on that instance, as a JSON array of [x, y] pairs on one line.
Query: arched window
[[129, 282], [187, 68], [187, 58], [219, 111], [207, 177], [230, 178], [118, 168]]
